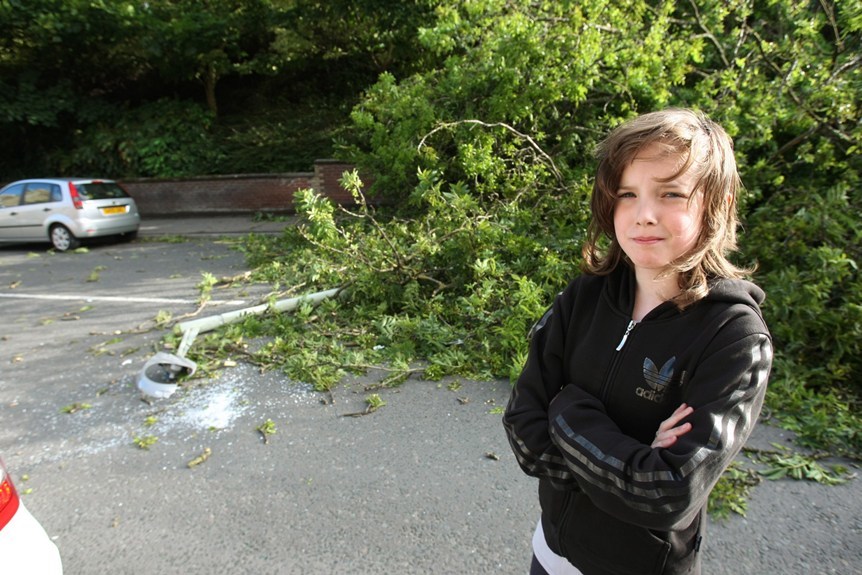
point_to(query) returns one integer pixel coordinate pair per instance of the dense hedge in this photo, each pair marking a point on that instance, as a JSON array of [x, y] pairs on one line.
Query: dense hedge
[[123, 88]]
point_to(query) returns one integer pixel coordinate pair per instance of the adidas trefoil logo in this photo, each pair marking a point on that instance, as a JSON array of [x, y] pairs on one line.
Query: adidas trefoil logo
[[656, 379]]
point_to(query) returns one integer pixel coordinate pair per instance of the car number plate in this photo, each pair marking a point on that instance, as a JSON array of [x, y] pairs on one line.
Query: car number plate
[[114, 210]]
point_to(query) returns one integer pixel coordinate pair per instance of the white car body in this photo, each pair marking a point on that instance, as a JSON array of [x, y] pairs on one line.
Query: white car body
[[25, 548]]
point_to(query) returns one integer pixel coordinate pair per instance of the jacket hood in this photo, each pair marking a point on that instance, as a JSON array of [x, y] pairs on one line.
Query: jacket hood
[[622, 283], [736, 291]]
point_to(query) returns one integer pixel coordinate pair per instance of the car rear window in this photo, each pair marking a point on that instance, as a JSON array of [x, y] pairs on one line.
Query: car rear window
[[101, 191]]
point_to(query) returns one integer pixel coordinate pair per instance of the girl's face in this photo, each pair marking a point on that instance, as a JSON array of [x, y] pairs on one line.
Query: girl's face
[[656, 221]]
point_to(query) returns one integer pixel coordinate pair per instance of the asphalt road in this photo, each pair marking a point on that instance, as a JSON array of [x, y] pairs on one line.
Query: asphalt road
[[426, 484]]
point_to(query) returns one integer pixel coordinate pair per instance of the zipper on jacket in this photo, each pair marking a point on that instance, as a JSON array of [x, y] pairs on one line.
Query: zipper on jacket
[[629, 329], [615, 363]]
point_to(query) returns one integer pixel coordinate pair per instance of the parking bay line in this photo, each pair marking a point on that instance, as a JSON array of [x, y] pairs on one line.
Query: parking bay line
[[116, 299]]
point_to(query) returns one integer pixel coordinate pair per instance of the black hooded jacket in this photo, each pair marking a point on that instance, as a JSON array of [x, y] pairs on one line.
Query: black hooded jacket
[[586, 408]]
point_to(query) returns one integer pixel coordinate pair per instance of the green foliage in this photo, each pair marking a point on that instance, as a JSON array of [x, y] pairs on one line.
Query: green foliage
[[730, 494], [205, 286], [145, 442], [75, 407], [272, 133], [83, 83], [374, 402], [487, 159], [266, 429], [826, 419], [525, 90], [560, 72], [57, 58], [457, 286], [163, 138], [205, 42], [369, 34], [61, 50], [786, 79], [782, 463]]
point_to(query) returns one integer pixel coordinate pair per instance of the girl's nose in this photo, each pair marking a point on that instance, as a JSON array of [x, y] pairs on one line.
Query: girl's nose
[[646, 214]]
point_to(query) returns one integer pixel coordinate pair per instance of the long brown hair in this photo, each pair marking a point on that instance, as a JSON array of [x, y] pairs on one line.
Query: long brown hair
[[703, 146]]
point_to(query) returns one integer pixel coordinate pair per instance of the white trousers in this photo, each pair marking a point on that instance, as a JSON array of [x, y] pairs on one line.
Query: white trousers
[[553, 563]]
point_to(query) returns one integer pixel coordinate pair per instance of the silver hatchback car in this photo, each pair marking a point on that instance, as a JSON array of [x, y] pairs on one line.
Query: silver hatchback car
[[65, 211]]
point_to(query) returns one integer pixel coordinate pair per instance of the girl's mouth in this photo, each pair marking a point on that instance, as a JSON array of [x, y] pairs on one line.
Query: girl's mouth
[[646, 240]]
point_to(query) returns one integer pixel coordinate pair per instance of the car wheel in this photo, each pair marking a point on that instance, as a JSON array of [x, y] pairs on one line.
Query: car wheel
[[62, 239]]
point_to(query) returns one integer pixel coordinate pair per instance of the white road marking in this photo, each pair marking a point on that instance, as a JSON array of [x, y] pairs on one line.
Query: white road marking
[[116, 299]]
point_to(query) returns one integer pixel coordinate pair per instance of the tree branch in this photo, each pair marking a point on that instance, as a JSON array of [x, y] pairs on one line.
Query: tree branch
[[510, 129], [709, 34]]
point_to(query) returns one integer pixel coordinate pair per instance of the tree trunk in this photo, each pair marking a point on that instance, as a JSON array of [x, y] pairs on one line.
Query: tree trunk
[[210, 79]]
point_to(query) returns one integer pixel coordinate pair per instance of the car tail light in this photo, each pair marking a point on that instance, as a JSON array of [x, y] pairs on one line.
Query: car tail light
[[76, 197], [8, 498]]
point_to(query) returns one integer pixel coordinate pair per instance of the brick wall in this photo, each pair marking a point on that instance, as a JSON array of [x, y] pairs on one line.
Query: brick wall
[[238, 193]]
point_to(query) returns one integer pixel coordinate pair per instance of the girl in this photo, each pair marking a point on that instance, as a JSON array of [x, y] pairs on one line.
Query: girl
[[646, 376]]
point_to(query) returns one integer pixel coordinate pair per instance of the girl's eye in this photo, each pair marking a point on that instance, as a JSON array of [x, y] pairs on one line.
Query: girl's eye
[[621, 195]]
